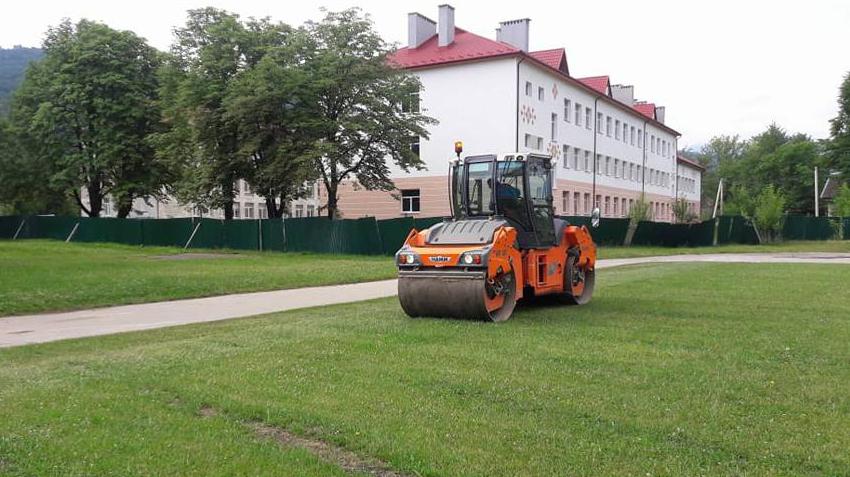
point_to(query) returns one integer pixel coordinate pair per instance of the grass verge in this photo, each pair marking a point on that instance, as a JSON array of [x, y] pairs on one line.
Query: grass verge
[[675, 369], [839, 246], [42, 275]]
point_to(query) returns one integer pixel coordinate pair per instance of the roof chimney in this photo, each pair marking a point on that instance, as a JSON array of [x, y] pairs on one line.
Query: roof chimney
[[419, 29], [623, 93], [446, 25], [514, 33], [659, 114]]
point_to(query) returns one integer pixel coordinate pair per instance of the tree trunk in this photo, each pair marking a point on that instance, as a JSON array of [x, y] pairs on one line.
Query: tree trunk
[[125, 206], [332, 203], [228, 210], [95, 200]]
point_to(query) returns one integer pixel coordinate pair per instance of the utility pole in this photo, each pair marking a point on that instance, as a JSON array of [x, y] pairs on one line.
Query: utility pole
[[817, 201]]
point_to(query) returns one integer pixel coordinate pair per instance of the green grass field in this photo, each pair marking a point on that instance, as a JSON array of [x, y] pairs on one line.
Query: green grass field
[[840, 246], [42, 275], [677, 369]]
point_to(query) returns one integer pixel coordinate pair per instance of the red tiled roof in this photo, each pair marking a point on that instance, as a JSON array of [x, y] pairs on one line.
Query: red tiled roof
[[647, 109], [599, 83], [466, 46], [555, 58], [692, 163]]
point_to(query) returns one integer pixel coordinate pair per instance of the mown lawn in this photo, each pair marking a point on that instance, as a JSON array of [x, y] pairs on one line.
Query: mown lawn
[[42, 275], [675, 369], [839, 246]]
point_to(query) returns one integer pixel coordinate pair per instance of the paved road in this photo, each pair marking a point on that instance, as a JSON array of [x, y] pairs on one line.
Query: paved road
[[23, 330]]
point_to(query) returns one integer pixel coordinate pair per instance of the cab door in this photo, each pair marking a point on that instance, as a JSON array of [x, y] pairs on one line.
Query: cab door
[[539, 173]]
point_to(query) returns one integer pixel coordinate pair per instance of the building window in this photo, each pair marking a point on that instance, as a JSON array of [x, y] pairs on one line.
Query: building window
[[616, 168], [528, 140], [568, 109], [410, 201], [414, 145], [625, 132], [587, 115], [566, 156], [607, 165], [554, 128], [540, 93], [632, 132], [658, 145], [587, 204], [586, 161], [616, 206], [262, 212], [575, 158], [528, 88], [652, 143], [246, 188], [237, 209], [299, 210], [576, 199], [640, 138], [617, 129], [599, 123], [608, 126], [565, 202], [249, 211], [578, 115], [664, 148], [311, 211]]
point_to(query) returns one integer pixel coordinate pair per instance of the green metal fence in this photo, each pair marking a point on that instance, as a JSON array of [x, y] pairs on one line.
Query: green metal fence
[[674, 235], [735, 229], [9, 225], [801, 227], [370, 236]]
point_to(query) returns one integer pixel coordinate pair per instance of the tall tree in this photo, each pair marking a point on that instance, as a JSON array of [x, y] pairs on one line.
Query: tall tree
[[208, 54], [839, 145], [274, 110], [359, 98], [88, 107]]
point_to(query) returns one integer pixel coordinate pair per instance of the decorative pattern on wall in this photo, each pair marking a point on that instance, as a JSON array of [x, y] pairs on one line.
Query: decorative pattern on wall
[[553, 150], [527, 114]]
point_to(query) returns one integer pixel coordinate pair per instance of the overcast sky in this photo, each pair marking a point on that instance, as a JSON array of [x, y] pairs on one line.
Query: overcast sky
[[720, 66]]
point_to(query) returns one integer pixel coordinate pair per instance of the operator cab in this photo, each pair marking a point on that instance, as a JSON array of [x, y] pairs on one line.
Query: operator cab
[[516, 187]]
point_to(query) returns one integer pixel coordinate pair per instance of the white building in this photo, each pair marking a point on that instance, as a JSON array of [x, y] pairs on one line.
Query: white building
[[496, 95]]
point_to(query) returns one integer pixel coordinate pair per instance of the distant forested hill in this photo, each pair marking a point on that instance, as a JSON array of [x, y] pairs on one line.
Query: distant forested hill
[[13, 64]]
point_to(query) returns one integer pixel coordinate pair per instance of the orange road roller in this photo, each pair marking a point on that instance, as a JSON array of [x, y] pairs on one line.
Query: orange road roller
[[502, 243]]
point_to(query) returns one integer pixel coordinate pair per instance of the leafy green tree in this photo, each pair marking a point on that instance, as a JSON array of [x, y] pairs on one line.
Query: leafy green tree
[[87, 109], [682, 211], [24, 179], [722, 158], [768, 213], [273, 109], [201, 142], [359, 98], [841, 202], [839, 145]]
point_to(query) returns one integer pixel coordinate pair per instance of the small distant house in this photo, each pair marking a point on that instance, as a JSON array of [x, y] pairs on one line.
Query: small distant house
[[830, 190]]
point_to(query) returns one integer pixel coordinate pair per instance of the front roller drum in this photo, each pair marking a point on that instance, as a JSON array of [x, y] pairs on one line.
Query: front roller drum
[[455, 294]]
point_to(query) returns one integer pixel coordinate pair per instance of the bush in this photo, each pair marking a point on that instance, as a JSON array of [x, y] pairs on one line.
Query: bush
[[841, 202], [682, 211], [768, 213]]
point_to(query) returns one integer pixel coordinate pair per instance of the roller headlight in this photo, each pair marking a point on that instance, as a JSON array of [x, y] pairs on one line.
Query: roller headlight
[[408, 259], [467, 259]]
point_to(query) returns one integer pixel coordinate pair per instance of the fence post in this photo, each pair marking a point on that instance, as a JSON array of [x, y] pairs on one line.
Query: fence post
[[189, 242], [21, 226], [260, 232], [283, 230], [73, 231]]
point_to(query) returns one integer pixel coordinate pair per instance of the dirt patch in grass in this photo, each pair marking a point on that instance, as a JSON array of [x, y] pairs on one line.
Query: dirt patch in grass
[[207, 411], [194, 256], [347, 460]]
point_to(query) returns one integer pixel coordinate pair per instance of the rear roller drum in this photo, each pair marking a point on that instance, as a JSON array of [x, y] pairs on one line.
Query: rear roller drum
[[578, 282]]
